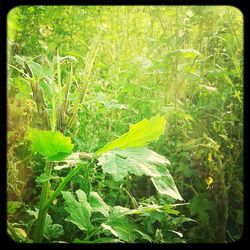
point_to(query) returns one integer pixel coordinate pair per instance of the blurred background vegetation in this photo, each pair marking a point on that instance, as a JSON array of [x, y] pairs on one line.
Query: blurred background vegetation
[[182, 62]]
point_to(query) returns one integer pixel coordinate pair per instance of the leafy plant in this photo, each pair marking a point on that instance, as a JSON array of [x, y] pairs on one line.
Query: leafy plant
[[139, 135], [52, 145], [92, 91]]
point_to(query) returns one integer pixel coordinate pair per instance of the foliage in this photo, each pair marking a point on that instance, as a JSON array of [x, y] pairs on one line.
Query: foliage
[[139, 135], [78, 78], [52, 145], [80, 211], [139, 161], [200, 206]]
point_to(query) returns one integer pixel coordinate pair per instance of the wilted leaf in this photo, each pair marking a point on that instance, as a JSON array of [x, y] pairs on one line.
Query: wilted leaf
[[53, 145], [139, 135], [80, 211]]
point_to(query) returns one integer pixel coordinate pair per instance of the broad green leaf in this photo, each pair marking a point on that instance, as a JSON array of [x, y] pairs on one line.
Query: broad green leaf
[[123, 228], [52, 231], [139, 135], [165, 185], [97, 204], [58, 157], [140, 161], [120, 226], [80, 211], [52, 145]]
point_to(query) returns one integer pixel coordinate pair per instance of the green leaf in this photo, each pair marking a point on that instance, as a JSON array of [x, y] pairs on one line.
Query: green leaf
[[43, 178], [167, 208], [200, 206], [12, 206], [139, 135], [58, 157], [36, 69], [165, 185], [97, 204], [52, 231], [80, 211], [120, 226], [52, 145], [140, 161], [144, 236]]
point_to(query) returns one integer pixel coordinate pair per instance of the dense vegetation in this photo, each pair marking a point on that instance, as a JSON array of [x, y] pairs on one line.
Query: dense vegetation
[[125, 124]]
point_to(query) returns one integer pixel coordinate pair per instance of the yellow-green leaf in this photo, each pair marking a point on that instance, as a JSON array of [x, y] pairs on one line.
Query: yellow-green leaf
[[53, 145], [139, 135]]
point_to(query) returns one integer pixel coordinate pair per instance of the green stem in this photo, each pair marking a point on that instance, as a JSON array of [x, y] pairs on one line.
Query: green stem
[[42, 212], [53, 102], [61, 186]]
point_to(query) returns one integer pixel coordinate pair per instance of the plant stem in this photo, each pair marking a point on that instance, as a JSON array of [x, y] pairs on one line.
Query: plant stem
[[42, 212], [53, 102], [61, 186], [89, 62]]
